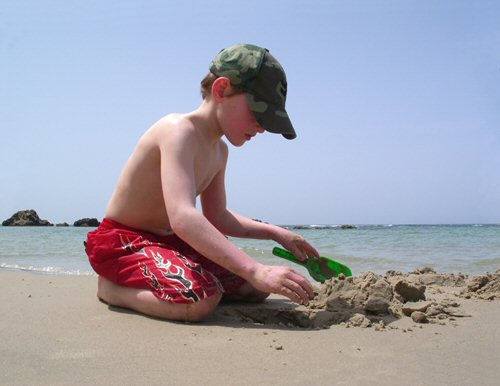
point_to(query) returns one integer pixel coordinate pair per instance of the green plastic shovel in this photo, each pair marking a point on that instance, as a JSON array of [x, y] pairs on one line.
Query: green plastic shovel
[[320, 269]]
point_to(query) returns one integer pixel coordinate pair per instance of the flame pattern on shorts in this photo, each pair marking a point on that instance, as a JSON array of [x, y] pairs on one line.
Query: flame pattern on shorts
[[198, 268], [175, 274], [129, 246], [178, 275], [153, 280], [166, 265]]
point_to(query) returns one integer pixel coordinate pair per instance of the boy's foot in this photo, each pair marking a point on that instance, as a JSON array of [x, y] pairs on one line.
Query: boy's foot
[[105, 290]]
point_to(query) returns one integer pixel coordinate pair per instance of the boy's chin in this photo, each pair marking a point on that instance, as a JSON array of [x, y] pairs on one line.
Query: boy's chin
[[236, 142]]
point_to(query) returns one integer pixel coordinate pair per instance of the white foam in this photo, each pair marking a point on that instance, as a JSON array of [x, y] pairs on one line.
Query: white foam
[[47, 270]]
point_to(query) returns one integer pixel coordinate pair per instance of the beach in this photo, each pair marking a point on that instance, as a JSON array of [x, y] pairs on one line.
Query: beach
[[365, 131], [54, 330]]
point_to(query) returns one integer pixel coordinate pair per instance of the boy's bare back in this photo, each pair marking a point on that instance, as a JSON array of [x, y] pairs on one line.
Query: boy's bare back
[[138, 200]]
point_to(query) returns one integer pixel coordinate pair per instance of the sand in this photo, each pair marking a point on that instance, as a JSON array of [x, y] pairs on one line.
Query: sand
[[413, 328]]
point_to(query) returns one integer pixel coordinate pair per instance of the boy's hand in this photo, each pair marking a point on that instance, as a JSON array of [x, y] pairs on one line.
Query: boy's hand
[[284, 281], [296, 244]]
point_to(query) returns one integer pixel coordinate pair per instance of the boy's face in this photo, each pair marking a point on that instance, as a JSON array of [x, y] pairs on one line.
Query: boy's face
[[236, 119]]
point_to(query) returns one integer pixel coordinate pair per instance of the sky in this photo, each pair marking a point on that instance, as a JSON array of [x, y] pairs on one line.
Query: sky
[[396, 104]]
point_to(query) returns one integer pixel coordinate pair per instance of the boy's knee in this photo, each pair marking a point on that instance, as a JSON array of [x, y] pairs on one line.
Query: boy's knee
[[198, 311]]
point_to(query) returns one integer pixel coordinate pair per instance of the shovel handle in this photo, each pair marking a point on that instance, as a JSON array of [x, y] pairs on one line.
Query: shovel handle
[[286, 255]]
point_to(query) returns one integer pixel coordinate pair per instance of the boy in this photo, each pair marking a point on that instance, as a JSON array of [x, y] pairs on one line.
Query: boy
[[154, 251]]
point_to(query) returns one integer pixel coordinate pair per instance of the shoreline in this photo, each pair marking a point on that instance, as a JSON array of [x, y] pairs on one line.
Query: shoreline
[[447, 249], [55, 330], [88, 271]]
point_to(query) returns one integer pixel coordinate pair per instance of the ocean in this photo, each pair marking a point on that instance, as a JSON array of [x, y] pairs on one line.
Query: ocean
[[469, 249]]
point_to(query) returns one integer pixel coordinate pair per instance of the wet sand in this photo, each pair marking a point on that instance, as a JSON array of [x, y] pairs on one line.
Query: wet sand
[[54, 331]]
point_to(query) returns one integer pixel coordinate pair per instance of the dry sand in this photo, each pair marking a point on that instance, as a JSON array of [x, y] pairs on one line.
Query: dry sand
[[356, 330]]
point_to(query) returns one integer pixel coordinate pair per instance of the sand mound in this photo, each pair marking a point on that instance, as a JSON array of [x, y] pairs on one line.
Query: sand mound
[[427, 276], [483, 287], [369, 300]]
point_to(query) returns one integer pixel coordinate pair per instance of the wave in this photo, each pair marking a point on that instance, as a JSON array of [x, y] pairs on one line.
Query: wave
[[491, 262], [46, 270], [379, 226]]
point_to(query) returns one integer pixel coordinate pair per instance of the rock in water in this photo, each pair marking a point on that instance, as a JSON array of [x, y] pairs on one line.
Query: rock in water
[[25, 218], [86, 222]]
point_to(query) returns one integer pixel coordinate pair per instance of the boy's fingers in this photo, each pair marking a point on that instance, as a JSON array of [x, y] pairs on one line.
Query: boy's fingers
[[290, 295], [299, 254], [303, 282], [310, 249], [312, 256], [297, 246], [297, 289], [305, 248]]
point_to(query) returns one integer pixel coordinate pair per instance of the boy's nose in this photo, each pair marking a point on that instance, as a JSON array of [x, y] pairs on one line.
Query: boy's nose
[[259, 128]]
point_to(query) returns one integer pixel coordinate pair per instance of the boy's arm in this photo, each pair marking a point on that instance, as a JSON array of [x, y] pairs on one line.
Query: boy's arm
[[235, 225], [179, 190], [213, 201]]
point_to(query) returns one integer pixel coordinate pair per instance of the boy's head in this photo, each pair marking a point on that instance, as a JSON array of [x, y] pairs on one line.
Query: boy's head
[[255, 72]]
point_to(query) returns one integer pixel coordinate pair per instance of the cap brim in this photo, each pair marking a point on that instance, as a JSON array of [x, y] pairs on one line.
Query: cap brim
[[274, 119]]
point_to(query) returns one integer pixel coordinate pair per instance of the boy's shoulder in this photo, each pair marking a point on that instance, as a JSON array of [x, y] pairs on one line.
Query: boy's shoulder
[[176, 129], [174, 123]]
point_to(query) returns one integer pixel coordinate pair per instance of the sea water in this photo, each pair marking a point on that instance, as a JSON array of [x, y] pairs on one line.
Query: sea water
[[470, 249]]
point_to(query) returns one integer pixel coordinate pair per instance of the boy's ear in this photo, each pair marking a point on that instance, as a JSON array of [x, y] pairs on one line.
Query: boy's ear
[[219, 87]]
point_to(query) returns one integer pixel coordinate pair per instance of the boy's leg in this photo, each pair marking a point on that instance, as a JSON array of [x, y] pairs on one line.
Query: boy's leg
[[143, 300], [149, 274]]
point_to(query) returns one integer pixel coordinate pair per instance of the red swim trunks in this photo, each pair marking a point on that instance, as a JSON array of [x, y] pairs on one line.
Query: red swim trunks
[[166, 265]]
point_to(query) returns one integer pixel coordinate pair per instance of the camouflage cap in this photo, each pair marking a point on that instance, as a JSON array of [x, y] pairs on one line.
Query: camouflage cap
[[255, 71]]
